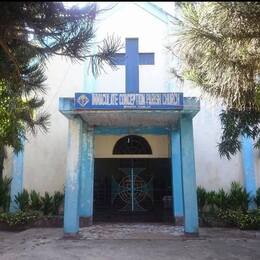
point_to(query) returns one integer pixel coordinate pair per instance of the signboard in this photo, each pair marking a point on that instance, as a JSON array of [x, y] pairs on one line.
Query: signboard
[[121, 101]]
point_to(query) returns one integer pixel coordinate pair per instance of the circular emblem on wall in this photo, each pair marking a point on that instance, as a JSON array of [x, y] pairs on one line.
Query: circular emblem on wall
[[82, 100]]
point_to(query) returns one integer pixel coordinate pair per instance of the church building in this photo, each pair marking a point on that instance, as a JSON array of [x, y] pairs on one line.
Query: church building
[[132, 144]]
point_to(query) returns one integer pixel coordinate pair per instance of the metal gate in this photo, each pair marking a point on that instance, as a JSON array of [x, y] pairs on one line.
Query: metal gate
[[133, 191]]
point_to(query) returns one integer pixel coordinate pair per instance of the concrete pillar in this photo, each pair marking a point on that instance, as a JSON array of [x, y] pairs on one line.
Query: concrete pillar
[[191, 224], [17, 179], [86, 175], [177, 192], [248, 168], [71, 207]]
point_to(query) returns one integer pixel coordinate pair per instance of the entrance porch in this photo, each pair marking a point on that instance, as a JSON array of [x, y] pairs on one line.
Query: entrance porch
[[85, 124]]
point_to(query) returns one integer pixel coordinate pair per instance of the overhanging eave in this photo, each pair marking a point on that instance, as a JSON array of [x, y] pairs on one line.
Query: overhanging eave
[[130, 117]]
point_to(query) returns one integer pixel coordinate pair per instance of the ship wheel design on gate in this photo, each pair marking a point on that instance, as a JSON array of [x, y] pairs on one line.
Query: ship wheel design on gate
[[132, 189]]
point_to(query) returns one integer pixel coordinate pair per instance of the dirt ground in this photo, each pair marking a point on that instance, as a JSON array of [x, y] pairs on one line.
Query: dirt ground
[[130, 241]]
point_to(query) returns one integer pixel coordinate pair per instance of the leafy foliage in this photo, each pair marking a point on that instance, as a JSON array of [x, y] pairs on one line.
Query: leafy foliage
[[221, 199], [240, 219], [35, 201], [218, 46], [57, 200], [202, 198], [234, 124], [16, 115], [220, 208], [23, 200], [19, 218], [235, 199], [238, 197], [257, 198], [31, 33], [5, 193], [47, 203], [210, 200]]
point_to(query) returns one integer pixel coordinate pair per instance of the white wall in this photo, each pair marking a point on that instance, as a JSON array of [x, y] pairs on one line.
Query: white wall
[[212, 171], [131, 21], [45, 155]]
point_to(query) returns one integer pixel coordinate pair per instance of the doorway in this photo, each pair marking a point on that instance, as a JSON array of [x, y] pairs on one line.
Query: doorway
[[132, 189], [133, 186]]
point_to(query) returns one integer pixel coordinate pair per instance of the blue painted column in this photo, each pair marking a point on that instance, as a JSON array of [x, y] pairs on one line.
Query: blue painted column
[[17, 178], [191, 224], [87, 174], [248, 167], [177, 192], [71, 206]]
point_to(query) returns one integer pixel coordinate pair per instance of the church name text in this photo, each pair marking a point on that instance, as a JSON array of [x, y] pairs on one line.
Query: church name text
[[128, 100]]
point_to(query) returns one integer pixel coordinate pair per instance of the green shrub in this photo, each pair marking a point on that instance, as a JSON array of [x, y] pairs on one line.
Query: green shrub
[[57, 201], [19, 218], [238, 197], [35, 200], [221, 199], [23, 200], [5, 193], [47, 204], [211, 196], [202, 198], [257, 198], [249, 221], [228, 208], [228, 217], [240, 219]]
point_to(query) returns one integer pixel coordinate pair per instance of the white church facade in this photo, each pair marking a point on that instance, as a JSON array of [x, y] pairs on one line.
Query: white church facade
[[125, 141]]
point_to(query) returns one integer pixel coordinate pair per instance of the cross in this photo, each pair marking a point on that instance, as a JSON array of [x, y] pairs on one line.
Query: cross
[[132, 59]]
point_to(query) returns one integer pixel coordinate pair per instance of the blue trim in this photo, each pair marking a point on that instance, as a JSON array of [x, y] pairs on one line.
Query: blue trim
[[87, 173], [191, 224], [66, 104], [17, 179], [177, 191], [128, 131], [248, 167]]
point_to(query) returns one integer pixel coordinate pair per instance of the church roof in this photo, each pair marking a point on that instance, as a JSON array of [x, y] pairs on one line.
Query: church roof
[[155, 11], [149, 7]]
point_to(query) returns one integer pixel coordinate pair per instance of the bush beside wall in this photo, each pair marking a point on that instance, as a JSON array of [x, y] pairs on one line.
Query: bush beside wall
[[228, 209]]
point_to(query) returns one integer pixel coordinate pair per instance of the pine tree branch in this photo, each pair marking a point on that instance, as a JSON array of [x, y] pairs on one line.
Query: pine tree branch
[[12, 59]]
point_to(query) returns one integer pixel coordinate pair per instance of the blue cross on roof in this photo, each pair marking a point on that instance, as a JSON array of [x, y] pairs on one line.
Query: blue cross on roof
[[132, 59]]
